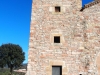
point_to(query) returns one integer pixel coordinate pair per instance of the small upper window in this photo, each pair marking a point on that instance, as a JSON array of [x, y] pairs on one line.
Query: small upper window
[[57, 9], [56, 39]]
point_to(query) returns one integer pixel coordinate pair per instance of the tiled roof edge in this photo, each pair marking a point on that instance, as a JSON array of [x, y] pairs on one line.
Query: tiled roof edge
[[90, 4]]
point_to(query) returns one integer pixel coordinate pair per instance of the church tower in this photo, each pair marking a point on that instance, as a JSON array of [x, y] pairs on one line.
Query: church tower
[[57, 38]]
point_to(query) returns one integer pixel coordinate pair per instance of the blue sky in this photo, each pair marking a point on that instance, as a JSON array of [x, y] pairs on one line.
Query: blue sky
[[15, 22]]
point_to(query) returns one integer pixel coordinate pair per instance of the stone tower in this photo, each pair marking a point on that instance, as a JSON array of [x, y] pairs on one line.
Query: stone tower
[[63, 39]]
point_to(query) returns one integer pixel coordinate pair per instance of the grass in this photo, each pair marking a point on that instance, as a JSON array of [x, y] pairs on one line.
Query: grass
[[6, 72]]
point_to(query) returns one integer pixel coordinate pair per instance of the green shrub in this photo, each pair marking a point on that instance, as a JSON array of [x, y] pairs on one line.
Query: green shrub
[[6, 72]]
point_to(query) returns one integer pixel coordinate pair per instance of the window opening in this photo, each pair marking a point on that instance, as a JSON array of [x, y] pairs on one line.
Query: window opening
[[56, 70], [56, 39], [57, 9]]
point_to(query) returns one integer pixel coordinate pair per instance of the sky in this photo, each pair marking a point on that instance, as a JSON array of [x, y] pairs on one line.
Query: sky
[[15, 17]]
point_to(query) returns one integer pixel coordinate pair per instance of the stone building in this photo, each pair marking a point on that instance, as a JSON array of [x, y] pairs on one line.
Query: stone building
[[64, 38]]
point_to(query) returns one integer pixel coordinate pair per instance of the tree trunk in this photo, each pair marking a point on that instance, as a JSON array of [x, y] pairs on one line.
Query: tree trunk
[[11, 69]]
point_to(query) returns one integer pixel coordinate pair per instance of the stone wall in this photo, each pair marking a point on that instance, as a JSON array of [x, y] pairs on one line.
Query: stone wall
[[79, 34]]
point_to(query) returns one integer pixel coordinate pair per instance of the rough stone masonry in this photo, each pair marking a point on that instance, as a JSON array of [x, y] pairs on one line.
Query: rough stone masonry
[[63, 34]]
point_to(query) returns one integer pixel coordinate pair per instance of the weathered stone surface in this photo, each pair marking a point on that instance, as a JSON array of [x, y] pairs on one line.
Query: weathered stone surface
[[80, 38]]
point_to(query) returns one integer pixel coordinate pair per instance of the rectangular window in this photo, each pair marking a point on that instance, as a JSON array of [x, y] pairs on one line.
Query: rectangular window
[[57, 9], [56, 39], [56, 70]]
